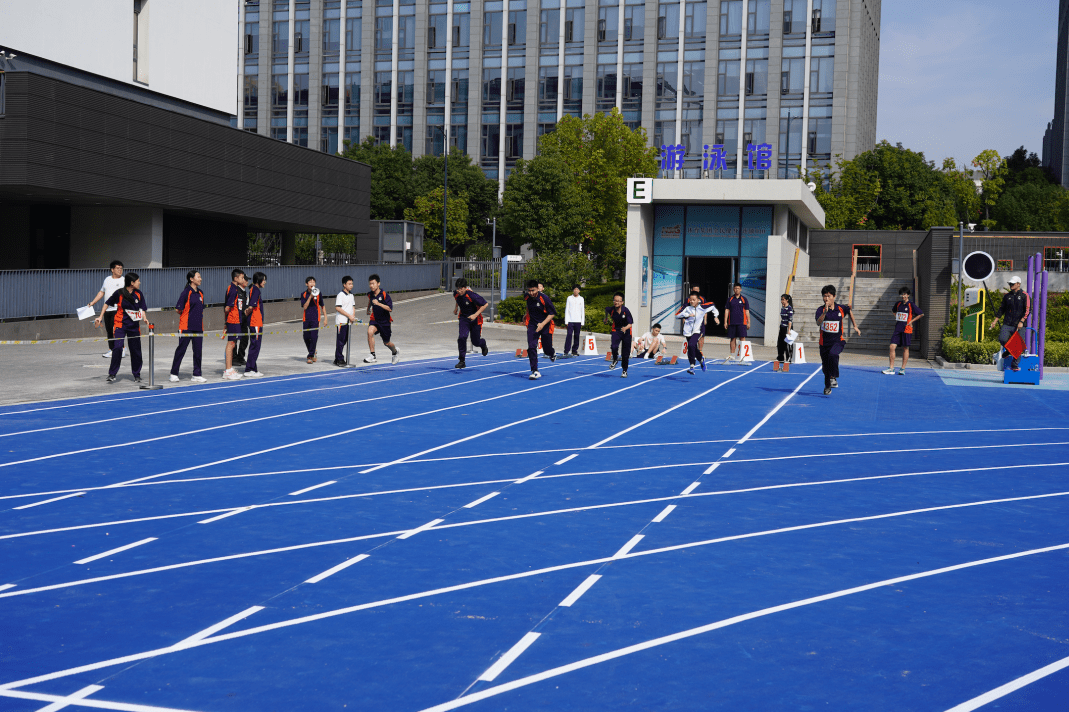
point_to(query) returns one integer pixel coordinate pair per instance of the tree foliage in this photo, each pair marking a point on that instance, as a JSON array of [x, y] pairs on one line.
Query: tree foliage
[[544, 207], [391, 176], [559, 271], [428, 209], [993, 169], [847, 195]]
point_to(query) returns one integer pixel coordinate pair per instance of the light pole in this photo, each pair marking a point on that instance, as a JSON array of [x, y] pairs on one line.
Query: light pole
[[787, 157], [445, 207], [493, 246]]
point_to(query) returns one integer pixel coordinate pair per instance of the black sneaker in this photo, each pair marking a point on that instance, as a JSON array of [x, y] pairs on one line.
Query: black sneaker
[[827, 390], [461, 364], [486, 349], [338, 363], [613, 364], [575, 354], [137, 379], [112, 379]]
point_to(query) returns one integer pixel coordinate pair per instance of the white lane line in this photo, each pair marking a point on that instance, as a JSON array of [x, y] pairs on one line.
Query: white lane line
[[313, 487], [116, 550], [1009, 687], [775, 410], [729, 453], [71, 698], [88, 702], [247, 421], [335, 569], [210, 630], [529, 477], [700, 630], [6, 586], [673, 408], [570, 457], [46, 501], [691, 487], [421, 528], [580, 590], [521, 421], [224, 516], [711, 468], [505, 660], [664, 513], [891, 452], [628, 546], [479, 501], [145, 655]]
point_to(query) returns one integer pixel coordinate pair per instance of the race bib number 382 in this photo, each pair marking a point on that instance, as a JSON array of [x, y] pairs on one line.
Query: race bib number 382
[[831, 327]]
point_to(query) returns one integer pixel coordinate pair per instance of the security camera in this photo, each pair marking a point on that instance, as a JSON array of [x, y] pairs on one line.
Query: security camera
[[971, 226], [812, 187]]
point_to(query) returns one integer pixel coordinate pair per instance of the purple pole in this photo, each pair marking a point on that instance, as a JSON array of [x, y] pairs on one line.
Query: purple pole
[[1042, 324], [1029, 290]]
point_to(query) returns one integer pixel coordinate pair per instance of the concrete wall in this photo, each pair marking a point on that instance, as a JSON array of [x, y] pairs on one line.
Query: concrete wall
[[102, 234], [830, 251], [639, 245], [780, 261]]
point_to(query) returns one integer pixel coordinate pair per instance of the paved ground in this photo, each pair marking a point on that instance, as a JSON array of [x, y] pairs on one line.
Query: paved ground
[[424, 327]]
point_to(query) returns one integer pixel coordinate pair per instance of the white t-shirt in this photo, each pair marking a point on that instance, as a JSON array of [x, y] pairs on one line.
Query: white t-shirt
[[346, 302], [110, 286], [647, 341], [575, 310]]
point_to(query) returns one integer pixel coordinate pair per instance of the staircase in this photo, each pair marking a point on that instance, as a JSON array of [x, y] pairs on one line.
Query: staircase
[[873, 299]]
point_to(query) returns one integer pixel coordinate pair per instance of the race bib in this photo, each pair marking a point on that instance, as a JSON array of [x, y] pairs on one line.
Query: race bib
[[902, 316], [831, 327], [135, 315]]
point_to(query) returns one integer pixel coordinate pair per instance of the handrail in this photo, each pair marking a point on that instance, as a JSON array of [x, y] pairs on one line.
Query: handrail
[[794, 269]]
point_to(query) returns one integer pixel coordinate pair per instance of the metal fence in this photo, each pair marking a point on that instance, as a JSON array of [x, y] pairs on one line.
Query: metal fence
[[59, 292], [485, 275]]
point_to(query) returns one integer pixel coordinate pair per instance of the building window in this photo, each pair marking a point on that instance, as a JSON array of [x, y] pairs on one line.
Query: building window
[[792, 75], [634, 22], [329, 91], [1055, 259], [757, 19], [513, 141], [434, 144], [515, 88], [436, 32], [608, 24], [436, 87], [573, 24], [632, 90], [490, 144], [252, 37], [727, 78], [517, 27], [549, 27], [756, 77], [251, 99], [730, 18], [353, 29], [668, 21], [693, 81], [1006, 266], [547, 88], [383, 33], [280, 38], [381, 135], [823, 20], [383, 87], [819, 139], [328, 139], [491, 87], [821, 74], [460, 89], [492, 29], [279, 93], [868, 257], [461, 29], [406, 89], [331, 35], [300, 92], [666, 82], [573, 89], [352, 94], [406, 34], [605, 90], [794, 17], [694, 22]]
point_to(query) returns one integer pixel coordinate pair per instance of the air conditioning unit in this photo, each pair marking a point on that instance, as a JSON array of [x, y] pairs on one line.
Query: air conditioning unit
[[432, 37]]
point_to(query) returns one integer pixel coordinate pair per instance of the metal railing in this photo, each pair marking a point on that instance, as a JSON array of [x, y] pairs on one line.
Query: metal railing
[[54, 293], [486, 274]]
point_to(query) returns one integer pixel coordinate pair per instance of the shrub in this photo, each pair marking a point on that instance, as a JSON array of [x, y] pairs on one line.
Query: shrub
[[512, 309], [1056, 354], [962, 351]]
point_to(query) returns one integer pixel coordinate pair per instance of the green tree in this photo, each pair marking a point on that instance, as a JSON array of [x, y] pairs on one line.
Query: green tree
[[427, 209], [1032, 206], [391, 177], [602, 153], [560, 271], [847, 196], [544, 206], [914, 195], [465, 178], [963, 189], [993, 169]]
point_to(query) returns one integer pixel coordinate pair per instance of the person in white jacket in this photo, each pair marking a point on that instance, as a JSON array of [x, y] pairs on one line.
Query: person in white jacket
[[574, 318], [693, 315]]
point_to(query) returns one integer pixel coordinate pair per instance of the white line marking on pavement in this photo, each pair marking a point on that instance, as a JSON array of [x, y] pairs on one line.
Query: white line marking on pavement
[[711, 468], [505, 660], [335, 569], [46, 501], [210, 630], [570, 457], [479, 501], [88, 702], [6, 586], [1009, 687], [116, 550], [691, 487], [664, 513], [224, 516], [728, 453], [628, 546], [529, 477], [313, 487], [423, 527], [580, 590], [71, 698], [890, 452]]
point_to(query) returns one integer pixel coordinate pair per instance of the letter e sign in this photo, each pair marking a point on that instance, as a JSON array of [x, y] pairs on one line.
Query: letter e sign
[[639, 190]]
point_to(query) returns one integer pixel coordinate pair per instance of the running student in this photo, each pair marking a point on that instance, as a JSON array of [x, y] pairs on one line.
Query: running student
[[693, 316], [622, 328], [737, 318], [696, 290], [112, 283], [831, 318], [190, 308], [233, 309], [539, 318], [651, 343], [379, 308], [906, 312], [470, 308], [786, 323], [314, 313], [574, 318], [130, 308], [256, 323], [345, 306]]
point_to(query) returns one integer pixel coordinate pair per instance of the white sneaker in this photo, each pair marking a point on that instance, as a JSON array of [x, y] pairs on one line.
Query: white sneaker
[[535, 375], [253, 374], [106, 355], [889, 371], [174, 378], [396, 356], [370, 359], [901, 372], [199, 379], [231, 375]]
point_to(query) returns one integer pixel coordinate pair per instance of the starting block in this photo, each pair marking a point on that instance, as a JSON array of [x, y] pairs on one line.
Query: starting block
[[521, 353], [608, 355], [671, 362]]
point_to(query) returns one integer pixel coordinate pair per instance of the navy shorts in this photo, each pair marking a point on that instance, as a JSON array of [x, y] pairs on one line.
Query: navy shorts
[[737, 331], [901, 338], [384, 331], [232, 332]]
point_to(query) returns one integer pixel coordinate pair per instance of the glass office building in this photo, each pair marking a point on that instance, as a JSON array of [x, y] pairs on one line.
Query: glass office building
[[491, 76]]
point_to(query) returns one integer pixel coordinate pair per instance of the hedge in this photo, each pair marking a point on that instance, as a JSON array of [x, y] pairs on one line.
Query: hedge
[[1055, 353]]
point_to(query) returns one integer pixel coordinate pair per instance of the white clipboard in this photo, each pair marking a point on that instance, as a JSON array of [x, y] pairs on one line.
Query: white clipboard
[[86, 312]]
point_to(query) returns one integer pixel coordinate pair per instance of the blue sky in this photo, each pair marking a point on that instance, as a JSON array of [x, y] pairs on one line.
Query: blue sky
[[961, 76]]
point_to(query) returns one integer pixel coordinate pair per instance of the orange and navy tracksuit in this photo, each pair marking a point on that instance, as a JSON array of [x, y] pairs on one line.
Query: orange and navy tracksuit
[[235, 308], [904, 315], [381, 318], [539, 307], [130, 307], [737, 317], [311, 320], [620, 319], [190, 309], [831, 339], [467, 304], [256, 327]]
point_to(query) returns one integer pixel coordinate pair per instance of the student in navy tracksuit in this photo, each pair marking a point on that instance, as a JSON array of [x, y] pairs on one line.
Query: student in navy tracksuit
[[736, 318], [786, 323], [312, 304], [130, 308], [256, 323], [831, 318], [622, 326], [380, 309], [469, 309], [540, 313], [190, 309]]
